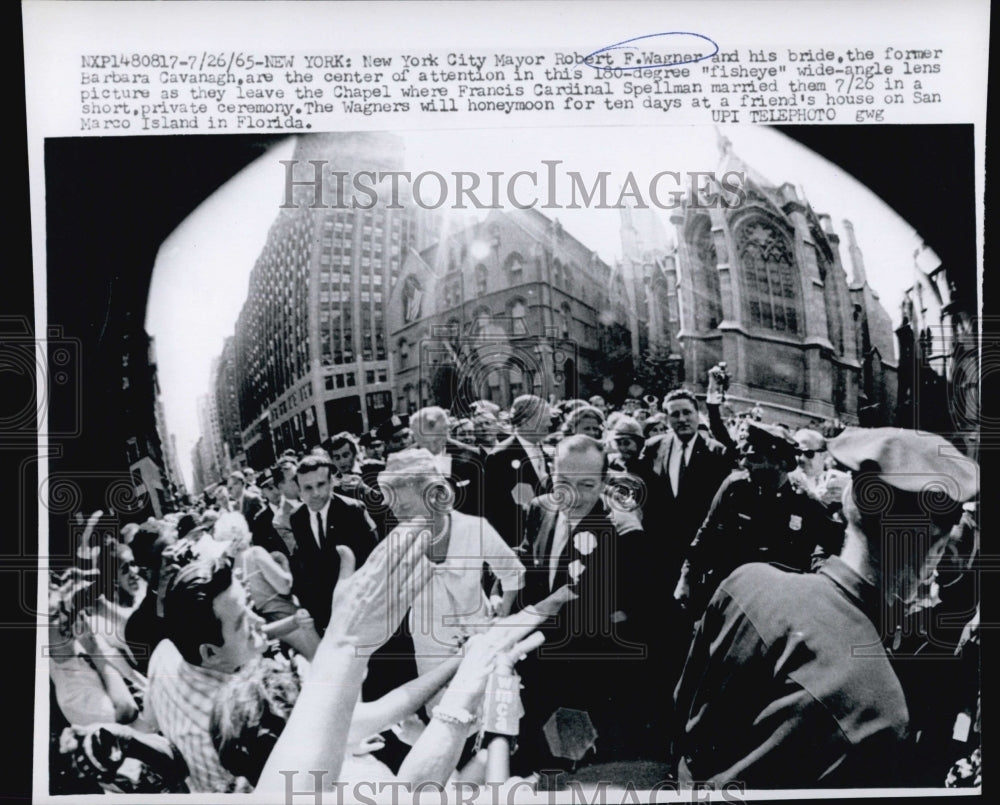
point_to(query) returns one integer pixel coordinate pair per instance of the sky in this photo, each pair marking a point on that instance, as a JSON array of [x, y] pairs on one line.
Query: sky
[[201, 274]]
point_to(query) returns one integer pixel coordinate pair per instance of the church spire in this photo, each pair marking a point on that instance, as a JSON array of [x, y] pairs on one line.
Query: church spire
[[857, 258]]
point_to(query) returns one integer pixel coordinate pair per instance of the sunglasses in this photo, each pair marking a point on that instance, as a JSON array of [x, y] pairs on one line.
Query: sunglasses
[[810, 453]]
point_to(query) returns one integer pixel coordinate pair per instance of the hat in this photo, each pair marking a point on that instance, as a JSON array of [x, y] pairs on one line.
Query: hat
[[772, 441], [809, 439], [268, 478], [128, 532], [412, 460], [627, 426], [908, 460], [409, 464], [392, 426]]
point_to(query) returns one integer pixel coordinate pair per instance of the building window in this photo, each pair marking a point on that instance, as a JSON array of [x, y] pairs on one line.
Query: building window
[[518, 315], [514, 264], [708, 297], [413, 292], [404, 353], [481, 320], [769, 275], [369, 376], [481, 279], [564, 319]]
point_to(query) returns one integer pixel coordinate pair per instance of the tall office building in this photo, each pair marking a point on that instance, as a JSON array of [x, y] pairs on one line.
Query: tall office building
[[226, 400], [509, 305], [311, 356]]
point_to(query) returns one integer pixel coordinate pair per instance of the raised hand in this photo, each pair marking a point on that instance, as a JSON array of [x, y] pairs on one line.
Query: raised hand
[[368, 605]]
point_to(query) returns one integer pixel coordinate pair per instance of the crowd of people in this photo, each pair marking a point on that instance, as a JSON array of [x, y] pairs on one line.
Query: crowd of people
[[679, 589]]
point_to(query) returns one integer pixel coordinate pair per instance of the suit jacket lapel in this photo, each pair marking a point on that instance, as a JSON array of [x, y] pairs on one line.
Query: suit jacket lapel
[[696, 451], [546, 529], [673, 445], [526, 472], [308, 545]]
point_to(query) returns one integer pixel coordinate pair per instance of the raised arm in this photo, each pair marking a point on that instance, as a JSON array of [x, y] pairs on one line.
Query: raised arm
[[367, 607]]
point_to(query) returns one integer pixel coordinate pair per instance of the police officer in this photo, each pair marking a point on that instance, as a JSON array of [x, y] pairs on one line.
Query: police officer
[[393, 434], [787, 683], [758, 515]]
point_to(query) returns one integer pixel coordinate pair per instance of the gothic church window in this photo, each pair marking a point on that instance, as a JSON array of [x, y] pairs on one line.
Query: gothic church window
[[769, 276], [707, 295]]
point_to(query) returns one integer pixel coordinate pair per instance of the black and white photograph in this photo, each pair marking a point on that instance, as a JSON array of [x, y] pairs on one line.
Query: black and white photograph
[[579, 461]]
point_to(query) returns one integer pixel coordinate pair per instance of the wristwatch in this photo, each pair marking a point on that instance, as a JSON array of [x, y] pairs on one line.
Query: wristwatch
[[453, 715]]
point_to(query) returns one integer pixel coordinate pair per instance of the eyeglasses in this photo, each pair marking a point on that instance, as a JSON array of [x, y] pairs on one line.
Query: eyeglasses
[[811, 453]]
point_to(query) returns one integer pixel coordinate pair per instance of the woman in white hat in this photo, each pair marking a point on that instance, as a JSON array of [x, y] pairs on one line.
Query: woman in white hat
[[453, 605]]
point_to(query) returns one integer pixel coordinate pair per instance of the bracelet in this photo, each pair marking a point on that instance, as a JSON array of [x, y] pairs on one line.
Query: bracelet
[[453, 715]]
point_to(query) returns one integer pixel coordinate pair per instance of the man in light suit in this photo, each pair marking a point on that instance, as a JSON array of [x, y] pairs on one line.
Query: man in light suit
[[324, 522], [517, 468]]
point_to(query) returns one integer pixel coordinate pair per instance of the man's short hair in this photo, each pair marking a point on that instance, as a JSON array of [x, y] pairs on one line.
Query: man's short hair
[[188, 611], [581, 443], [313, 462], [339, 440], [680, 394], [237, 475], [142, 543]]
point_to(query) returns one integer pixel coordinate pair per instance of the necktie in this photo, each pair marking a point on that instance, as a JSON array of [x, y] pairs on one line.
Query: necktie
[[320, 533], [682, 470], [560, 539]]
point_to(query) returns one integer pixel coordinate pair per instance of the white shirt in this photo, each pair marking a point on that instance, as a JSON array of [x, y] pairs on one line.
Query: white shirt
[[536, 456], [675, 461]]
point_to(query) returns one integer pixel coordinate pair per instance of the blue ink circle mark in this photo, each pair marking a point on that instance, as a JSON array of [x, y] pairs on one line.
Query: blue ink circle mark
[[624, 45]]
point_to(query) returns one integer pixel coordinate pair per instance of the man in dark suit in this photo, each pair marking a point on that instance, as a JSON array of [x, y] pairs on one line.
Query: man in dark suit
[[324, 522], [349, 481], [272, 528], [240, 498], [682, 471], [572, 537], [458, 462], [517, 468]]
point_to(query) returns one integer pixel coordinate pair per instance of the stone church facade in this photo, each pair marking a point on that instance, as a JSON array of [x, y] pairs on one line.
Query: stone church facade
[[762, 286]]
